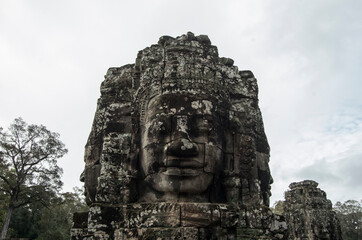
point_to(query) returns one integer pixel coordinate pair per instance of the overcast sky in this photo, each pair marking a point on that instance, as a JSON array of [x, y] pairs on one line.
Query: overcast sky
[[306, 55]]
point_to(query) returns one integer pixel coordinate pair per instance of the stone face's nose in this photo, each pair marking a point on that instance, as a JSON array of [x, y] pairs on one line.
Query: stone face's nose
[[181, 124], [182, 147]]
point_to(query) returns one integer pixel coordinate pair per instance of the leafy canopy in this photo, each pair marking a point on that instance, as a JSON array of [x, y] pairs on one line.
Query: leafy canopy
[[28, 162], [350, 216]]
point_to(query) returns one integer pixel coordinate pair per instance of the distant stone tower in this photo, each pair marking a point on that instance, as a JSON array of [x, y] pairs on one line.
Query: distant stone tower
[[309, 213]]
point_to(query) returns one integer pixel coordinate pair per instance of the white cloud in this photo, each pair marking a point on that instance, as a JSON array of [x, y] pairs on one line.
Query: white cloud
[[327, 150]]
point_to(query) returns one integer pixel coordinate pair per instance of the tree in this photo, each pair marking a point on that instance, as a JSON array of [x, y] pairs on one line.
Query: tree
[[56, 221], [23, 223], [3, 205], [28, 166], [350, 216]]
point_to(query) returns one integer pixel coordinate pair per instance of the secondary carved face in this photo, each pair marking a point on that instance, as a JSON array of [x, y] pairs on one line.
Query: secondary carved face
[[181, 147]]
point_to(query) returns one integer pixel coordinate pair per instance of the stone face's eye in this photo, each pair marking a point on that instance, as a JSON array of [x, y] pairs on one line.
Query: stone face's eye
[[204, 125], [159, 127], [201, 126]]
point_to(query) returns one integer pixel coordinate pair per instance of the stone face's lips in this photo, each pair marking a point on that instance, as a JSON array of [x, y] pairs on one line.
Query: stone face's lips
[[182, 172], [184, 163]]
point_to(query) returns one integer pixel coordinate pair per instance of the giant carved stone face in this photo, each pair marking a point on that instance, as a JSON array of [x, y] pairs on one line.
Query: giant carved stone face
[[181, 148]]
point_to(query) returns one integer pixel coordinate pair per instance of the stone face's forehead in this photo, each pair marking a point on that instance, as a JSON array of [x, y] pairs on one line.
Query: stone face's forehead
[[180, 104]]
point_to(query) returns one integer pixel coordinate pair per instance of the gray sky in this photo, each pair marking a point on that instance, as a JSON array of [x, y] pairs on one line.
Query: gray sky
[[306, 55]]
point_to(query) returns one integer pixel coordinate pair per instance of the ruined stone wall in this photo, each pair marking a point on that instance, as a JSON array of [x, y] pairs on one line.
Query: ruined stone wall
[[188, 221]]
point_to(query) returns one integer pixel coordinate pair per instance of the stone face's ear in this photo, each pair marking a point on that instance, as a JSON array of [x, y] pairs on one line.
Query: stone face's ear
[[247, 125], [91, 174], [107, 173], [236, 125]]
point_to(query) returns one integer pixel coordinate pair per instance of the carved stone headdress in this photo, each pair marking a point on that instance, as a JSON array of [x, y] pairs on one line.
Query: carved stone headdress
[[186, 64]]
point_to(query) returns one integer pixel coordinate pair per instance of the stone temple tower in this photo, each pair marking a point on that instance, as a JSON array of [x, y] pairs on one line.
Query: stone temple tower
[[309, 213], [177, 150]]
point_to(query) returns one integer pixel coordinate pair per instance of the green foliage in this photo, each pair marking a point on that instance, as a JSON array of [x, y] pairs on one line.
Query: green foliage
[[3, 205], [28, 166], [56, 221], [23, 221], [35, 221], [350, 216], [30, 184]]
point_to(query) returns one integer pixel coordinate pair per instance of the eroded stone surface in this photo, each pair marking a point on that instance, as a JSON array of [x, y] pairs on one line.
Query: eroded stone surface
[[180, 115], [309, 213], [181, 221], [177, 150]]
